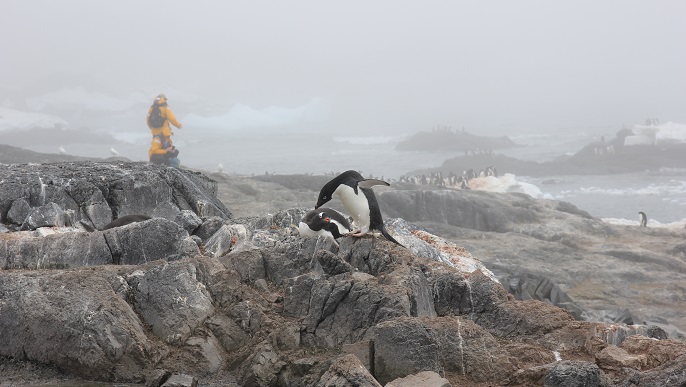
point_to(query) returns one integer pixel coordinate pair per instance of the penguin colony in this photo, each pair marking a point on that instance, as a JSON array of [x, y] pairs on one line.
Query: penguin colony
[[452, 180], [355, 192]]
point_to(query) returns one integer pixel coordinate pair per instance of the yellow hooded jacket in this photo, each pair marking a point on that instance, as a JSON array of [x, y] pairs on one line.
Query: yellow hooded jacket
[[159, 146], [168, 116]]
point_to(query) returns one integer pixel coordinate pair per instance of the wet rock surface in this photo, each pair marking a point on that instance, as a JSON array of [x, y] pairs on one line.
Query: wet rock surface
[[255, 304]]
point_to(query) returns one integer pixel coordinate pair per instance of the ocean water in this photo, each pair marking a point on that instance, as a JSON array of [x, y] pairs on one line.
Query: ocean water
[[660, 194]]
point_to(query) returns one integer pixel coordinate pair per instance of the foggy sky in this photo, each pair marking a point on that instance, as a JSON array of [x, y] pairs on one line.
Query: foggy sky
[[494, 66]]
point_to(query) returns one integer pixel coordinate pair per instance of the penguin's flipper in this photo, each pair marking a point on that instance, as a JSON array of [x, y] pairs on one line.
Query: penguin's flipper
[[389, 237], [87, 226], [369, 183]]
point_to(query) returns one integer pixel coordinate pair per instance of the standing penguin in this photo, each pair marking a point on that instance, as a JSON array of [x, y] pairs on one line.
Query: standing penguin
[[644, 219], [324, 221], [356, 194]]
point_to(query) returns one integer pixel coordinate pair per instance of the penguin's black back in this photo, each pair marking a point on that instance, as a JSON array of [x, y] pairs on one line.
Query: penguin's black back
[[316, 223], [375, 219]]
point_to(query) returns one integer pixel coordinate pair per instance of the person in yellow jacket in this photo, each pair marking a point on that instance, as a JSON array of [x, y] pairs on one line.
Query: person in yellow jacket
[[163, 152], [166, 113]]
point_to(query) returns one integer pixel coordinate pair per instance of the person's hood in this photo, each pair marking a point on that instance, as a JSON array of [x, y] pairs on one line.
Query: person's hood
[[161, 99]]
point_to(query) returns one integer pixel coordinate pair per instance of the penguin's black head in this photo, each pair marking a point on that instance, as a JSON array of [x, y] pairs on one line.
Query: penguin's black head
[[326, 193], [329, 188], [323, 198]]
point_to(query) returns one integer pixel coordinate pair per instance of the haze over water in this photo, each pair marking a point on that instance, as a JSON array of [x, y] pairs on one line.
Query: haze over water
[[314, 87]]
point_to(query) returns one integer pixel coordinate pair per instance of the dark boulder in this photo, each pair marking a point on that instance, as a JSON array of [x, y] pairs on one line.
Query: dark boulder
[[573, 374]]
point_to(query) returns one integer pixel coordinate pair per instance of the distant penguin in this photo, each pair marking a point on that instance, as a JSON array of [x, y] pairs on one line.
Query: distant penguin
[[121, 221], [356, 194], [324, 221], [644, 219]]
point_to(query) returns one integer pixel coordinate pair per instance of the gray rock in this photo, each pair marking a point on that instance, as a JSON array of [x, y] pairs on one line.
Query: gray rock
[[569, 373], [248, 315], [11, 190], [532, 287], [196, 239], [148, 241], [224, 239], [170, 298], [231, 337], [156, 378], [403, 347], [422, 379], [263, 367], [466, 348], [347, 371], [249, 264], [364, 351], [167, 210], [206, 352], [49, 215], [209, 227], [19, 211], [74, 320], [95, 191], [26, 250], [340, 310], [181, 380], [669, 374], [94, 207], [332, 264]]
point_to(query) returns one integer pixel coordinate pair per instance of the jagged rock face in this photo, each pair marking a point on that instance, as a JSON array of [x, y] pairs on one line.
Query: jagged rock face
[[610, 273], [98, 192], [483, 211], [265, 307], [135, 243], [75, 321]]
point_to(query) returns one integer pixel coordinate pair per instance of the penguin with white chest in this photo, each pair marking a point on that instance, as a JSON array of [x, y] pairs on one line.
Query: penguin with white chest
[[325, 222], [359, 200]]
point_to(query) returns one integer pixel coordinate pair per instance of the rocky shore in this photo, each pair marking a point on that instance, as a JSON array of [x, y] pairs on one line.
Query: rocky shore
[[596, 158], [218, 289]]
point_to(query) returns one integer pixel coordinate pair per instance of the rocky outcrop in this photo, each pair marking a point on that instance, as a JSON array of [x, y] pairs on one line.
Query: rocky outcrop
[[255, 304], [133, 244], [554, 252], [40, 195]]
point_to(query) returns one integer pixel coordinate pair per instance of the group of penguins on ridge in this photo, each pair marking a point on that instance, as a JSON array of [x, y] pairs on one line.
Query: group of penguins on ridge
[[452, 180], [355, 192]]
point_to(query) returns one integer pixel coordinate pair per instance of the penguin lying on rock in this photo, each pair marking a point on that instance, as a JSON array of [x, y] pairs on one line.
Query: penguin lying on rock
[[324, 221], [356, 194]]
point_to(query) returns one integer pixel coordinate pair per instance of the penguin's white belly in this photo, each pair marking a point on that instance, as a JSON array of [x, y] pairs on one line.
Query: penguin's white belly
[[305, 231], [341, 228], [356, 204]]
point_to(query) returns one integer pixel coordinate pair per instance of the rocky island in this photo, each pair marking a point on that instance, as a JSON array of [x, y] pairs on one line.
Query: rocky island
[[219, 289]]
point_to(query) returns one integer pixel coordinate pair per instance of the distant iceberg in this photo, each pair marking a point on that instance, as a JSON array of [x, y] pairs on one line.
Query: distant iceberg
[[15, 120], [653, 133], [242, 117]]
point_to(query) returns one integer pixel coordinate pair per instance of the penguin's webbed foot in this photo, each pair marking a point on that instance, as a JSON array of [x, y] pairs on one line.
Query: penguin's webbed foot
[[358, 233]]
